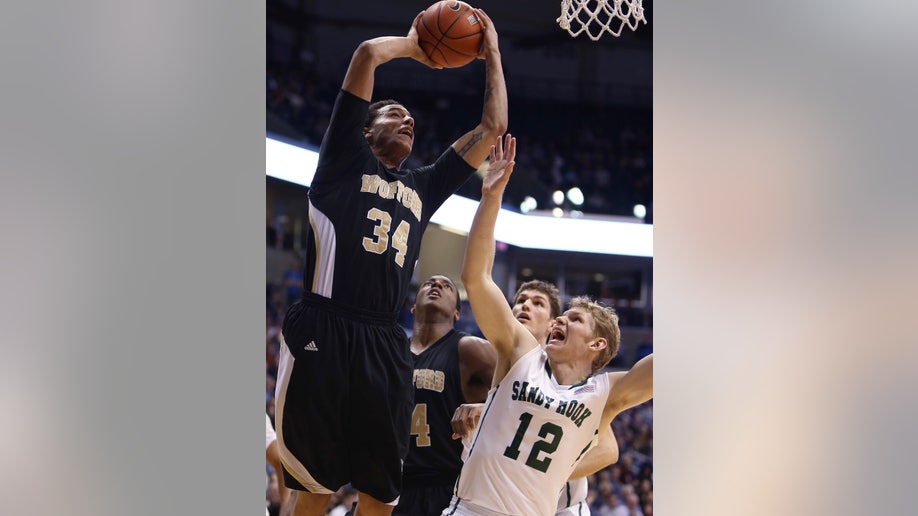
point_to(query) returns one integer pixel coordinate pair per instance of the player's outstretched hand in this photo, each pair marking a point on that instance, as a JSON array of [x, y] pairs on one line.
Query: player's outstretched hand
[[500, 166], [465, 419]]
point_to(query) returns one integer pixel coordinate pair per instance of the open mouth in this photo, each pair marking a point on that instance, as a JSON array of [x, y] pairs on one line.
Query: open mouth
[[407, 132], [523, 316], [556, 334]]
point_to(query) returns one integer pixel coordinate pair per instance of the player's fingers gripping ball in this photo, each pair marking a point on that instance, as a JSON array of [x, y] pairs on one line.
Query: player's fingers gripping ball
[[450, 33]]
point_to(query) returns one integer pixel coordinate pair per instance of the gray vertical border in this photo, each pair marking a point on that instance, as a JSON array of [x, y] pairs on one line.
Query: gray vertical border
[[132, 157], [785, 251]]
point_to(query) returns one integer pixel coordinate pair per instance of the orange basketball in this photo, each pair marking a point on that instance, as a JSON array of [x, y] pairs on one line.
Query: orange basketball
[[450, 33]]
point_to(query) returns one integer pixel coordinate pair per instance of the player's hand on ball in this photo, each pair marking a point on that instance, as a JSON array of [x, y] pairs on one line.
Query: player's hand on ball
[[490, 34], [418, 54]]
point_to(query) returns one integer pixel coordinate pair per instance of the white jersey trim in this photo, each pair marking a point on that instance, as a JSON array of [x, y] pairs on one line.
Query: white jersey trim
[[323, 277]]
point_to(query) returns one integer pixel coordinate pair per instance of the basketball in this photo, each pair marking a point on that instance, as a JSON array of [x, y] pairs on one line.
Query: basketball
[[450, 33]]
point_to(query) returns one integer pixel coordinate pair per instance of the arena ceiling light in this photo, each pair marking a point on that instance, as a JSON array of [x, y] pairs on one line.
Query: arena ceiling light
[[575, 195], [640, 211], [528, 204], [297, 165], [558, 197], [290, 162]]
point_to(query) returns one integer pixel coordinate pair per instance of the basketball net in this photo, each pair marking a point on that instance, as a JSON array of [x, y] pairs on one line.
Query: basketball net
[[597, 16]]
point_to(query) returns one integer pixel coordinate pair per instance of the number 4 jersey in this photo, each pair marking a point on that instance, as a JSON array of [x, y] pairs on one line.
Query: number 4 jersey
[[532, 433], [366, 220]]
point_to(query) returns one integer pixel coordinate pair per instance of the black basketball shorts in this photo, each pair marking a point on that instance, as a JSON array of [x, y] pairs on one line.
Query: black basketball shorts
[[344, 399], [423, 501]]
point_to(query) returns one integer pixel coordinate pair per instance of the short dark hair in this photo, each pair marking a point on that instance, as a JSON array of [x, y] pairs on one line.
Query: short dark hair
[[456, 290], [547, 288], [373, 112]]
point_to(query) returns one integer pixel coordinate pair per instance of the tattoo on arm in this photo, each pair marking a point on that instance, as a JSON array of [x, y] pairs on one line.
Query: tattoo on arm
[[476, 137]]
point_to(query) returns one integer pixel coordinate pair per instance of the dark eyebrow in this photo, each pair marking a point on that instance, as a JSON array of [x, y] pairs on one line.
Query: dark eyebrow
[[398, 110], [445, 282]]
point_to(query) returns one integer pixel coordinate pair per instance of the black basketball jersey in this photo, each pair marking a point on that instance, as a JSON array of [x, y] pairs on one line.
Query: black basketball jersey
[[432, 453], [366, 220]]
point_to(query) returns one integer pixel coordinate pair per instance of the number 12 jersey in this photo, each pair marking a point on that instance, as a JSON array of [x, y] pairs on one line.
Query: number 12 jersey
[[532, 433]]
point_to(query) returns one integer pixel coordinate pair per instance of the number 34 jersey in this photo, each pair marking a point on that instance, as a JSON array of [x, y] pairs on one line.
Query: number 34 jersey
[[366, 220], [532, 433]]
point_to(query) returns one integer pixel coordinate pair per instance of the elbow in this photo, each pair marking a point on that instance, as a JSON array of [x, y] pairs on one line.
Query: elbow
[[472, 281], [610, 456], [494, 127], [467, 279], [365, 52]]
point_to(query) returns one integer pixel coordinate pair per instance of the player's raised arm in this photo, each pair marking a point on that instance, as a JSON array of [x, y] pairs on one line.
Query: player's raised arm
[[374, 52], [630, 389], [492, 312], [474, 145]]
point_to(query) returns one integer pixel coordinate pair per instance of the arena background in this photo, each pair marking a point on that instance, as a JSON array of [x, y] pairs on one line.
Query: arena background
[[132, 210], [579, 108]]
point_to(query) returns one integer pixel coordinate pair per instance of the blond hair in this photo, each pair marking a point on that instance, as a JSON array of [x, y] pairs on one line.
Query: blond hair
[[605, 325]]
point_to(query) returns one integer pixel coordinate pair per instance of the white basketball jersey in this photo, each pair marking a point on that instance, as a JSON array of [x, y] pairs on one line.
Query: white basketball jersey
[[572, 501], [532, 433]]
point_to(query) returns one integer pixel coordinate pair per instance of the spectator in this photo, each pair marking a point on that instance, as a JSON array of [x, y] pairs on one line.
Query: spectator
[[612, 506], [633, 505]]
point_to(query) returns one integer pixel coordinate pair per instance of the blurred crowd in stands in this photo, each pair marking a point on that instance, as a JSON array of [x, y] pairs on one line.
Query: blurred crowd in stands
[[622, 489], [604, 151]]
